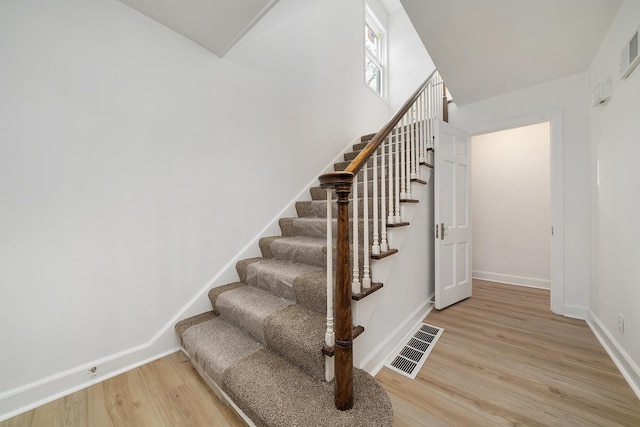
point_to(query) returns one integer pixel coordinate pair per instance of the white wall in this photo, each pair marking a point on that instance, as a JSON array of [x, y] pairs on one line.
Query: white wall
[[134, 164], [512, 206], [566, 100], [408, 277], [409, 62], [615, 254]]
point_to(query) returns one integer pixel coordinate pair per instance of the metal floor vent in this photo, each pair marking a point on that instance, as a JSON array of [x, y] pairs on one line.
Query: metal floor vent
[[411, 356]]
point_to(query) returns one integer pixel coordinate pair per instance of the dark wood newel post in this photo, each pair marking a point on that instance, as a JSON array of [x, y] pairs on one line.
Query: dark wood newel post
[[341, 182], [343, 359], [344, 323]]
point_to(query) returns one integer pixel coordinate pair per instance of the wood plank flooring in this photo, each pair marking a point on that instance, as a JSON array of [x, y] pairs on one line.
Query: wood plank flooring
[[167, 392], [503, 359]]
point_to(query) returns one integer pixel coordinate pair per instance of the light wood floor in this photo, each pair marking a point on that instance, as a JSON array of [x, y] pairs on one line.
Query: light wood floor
[[503, 359], [167, 392]]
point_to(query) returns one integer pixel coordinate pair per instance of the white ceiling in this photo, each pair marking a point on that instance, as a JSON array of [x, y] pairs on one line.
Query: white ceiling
[[484, 48], [215, 24]]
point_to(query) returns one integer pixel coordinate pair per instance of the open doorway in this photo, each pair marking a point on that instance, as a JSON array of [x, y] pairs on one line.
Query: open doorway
[[512, 206]]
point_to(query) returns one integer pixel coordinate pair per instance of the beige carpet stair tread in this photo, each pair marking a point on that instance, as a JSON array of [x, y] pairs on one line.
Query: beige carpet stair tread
[[276, 276], [216, 345], [298, 334], [275, 393], [300, 249], [248, 307]]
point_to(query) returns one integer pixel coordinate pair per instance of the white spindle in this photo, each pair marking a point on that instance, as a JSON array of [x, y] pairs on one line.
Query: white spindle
[[432, 92], [355, 282], [419, 139], [425, 112], [423, 152], [384, 246], [396, 169], [375, 247], [329, 335], [408, 143], [401, 158], [416, 143], [366, 276], [414, 131], [394, 137]]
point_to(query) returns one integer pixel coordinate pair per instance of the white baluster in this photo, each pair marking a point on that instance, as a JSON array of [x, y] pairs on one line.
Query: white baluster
[[384, 246], [431, 113], [396, 203], [394, 137], [409, 143], [414, 140], [402, 158], [355, 282], [329, 335], [425, 123], [375, 247], [366, 276], [423, 152]]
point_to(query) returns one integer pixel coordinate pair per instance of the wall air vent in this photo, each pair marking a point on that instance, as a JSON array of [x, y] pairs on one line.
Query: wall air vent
[[630, 56], [410, 357]]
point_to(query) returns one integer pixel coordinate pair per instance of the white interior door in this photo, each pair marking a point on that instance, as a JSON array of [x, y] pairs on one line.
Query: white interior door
[[452, 214]]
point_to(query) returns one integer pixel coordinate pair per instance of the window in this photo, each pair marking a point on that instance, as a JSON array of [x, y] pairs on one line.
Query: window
[[374, 72]]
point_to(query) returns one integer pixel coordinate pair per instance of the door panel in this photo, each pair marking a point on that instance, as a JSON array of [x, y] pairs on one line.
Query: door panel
[[452, 204]]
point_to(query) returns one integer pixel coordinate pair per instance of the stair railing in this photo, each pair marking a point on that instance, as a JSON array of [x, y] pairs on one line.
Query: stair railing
[[393, 157]]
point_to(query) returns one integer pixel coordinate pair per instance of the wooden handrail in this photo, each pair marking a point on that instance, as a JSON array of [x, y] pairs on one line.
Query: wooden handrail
[[342, 182], [364, 155]]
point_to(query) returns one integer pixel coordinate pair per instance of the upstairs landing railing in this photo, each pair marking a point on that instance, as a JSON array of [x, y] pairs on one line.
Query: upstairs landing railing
[[393, 159]]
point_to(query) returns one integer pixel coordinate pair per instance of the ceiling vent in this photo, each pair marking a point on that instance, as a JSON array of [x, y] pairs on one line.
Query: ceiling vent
[[630, 56]]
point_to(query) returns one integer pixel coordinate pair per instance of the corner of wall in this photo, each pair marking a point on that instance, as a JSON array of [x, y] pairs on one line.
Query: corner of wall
[[628, 368], [575, 312]]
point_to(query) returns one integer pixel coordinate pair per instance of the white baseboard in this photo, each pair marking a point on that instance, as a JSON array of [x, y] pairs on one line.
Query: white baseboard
[[628, 368], [375, 360], [29, 396], [530, 282]]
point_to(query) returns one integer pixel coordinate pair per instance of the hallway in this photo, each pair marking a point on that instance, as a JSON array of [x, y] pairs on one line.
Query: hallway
[[505, 359]]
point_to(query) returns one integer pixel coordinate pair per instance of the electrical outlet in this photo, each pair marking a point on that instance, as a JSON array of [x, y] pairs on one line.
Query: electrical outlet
[[621, 323]]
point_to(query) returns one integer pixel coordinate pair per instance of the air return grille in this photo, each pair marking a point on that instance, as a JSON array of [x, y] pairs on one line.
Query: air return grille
[[411, 356]]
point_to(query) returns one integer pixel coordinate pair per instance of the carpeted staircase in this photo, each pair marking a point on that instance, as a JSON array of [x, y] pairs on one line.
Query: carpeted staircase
[[262, 342]]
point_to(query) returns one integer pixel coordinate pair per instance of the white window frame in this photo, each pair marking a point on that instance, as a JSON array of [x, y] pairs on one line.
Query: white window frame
[[380, 60]]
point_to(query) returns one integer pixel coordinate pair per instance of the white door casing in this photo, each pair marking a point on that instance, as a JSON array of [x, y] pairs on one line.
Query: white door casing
[[452, 214]]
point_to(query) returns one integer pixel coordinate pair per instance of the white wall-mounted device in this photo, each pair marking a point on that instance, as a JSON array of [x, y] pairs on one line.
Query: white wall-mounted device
[[630, 56], [601, 93]]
